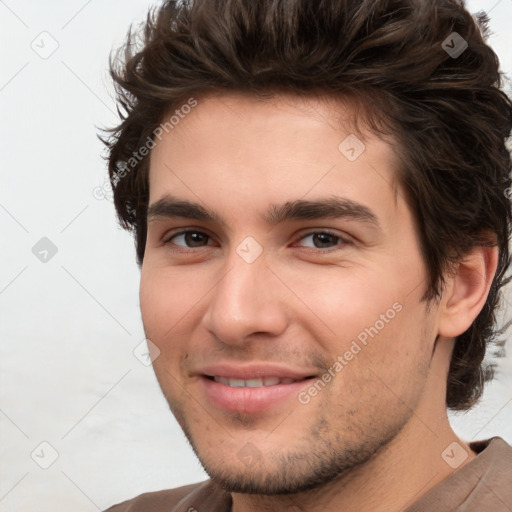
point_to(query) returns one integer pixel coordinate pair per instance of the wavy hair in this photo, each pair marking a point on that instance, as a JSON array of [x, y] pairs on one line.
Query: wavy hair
[[399, 61]]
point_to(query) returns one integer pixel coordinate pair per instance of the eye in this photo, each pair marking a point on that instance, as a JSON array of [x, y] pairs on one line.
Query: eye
[[196, 239], [324, 239], [189, 239]]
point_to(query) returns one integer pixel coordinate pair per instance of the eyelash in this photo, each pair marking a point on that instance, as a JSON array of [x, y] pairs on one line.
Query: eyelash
[[182, 249]]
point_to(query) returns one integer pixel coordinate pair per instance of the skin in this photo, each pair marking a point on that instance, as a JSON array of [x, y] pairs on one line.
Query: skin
[[372, 438]]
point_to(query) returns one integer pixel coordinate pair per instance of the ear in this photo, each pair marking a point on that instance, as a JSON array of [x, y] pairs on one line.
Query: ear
[[466, 290]]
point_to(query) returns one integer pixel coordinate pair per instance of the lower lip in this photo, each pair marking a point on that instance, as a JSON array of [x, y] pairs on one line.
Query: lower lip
[[250, 400]]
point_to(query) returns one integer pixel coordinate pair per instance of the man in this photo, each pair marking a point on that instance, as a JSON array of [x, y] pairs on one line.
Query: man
[[318, 193]]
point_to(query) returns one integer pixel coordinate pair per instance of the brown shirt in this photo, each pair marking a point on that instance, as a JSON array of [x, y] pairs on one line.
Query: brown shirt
[[482, 485]]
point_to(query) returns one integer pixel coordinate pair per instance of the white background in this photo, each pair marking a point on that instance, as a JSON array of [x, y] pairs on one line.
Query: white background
[[69, 326]]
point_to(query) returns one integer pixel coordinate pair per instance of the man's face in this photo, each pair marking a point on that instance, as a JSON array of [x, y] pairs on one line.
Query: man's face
[[293, 344]]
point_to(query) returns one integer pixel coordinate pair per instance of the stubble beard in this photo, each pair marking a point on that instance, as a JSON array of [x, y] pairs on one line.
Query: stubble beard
[[325, 457]]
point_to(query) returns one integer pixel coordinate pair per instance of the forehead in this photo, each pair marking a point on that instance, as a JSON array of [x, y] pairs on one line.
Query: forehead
[[239, 150]]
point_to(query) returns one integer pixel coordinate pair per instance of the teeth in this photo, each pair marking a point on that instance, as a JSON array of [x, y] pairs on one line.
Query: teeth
[[252, 383]]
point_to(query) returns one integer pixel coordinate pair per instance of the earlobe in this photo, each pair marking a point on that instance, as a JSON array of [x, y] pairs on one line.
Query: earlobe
[[467, 290]]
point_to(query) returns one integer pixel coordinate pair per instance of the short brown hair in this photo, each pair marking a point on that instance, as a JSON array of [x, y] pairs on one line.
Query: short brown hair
[[446, 111]]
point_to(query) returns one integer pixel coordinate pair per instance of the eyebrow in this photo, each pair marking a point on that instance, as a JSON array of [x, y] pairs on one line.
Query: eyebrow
[[330, 207]]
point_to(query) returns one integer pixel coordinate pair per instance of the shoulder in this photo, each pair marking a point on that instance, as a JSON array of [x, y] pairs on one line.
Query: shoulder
[[484, 483], [181, 498]]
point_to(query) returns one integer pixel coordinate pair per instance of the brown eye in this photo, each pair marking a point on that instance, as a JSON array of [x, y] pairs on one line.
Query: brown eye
[[190, 239], [324, 240]]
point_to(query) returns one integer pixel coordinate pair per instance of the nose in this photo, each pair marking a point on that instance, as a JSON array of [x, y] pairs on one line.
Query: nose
[[247, 300]]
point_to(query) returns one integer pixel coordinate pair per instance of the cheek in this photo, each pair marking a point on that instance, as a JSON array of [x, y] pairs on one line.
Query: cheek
[[170, 301], [152, 302], [160, 316], [160, 310], [396, 358], [379, 332], [339, 304], [165, 298]]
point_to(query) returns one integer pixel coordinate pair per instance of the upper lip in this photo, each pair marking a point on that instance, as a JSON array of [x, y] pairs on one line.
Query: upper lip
[[253, 371]]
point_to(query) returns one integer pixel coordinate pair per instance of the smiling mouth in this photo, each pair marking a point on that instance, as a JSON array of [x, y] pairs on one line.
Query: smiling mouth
[[254, 383], [254, 391]]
